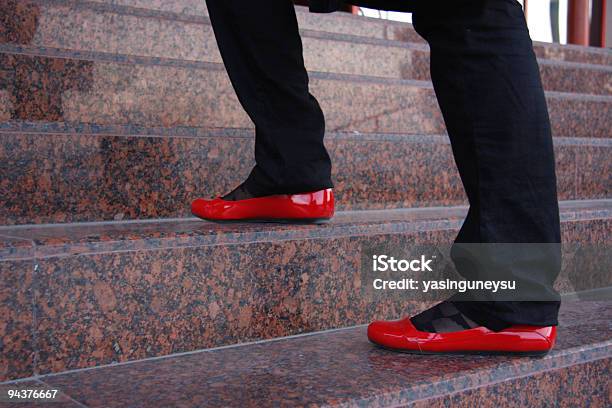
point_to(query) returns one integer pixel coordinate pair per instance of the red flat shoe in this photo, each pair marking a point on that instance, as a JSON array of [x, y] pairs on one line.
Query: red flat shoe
[[401, 335], [304, 207]]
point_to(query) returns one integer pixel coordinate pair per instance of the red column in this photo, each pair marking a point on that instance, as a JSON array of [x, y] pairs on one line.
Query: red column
[[598, 23], [578, 22]]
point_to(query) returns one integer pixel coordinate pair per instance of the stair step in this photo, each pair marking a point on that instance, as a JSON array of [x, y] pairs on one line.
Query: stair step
[[340, 367], [120, 110], [88, 294], [116, 30], [106, 89], [341, 23], [344, 23], [60, 174]]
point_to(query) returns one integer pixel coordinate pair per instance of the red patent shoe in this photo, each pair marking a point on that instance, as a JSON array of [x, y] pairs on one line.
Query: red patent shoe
[[401, 335], [317, 206]]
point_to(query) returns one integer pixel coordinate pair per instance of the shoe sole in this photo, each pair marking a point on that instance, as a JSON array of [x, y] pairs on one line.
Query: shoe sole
[[297, 221], [468, 352]]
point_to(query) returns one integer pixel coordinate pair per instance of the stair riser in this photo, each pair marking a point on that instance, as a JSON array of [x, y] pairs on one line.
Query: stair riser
[[96, 308], [580, 385], [555, 52], [342, 368], [54, 178], [85, 29], [95, 92], [555, 76], [339, 23], [16, 296]]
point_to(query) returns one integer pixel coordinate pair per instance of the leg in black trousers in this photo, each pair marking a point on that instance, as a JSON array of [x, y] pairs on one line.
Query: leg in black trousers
[[487, 82], [262, 51]]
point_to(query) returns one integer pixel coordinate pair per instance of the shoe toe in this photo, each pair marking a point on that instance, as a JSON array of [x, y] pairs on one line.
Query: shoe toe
[[201, 207], [392, 333]]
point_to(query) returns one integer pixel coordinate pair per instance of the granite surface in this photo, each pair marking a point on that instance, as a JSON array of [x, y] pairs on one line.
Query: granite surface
[[575, 53], [561, 76], [147, 91], [120, 30], [338, 23], [343, 368], [586, 267], [104, 293], [12, 247], [584, 385], [74, 177], [80, 91], [17, 344], [59, 240], [78, 296], [123, 306], [184, 7], [595, 174], [77, 177], [578, 78], [344, 23]]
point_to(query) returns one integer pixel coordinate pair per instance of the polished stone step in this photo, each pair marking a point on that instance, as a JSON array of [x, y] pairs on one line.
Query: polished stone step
[[105, 89], [339, 23], [341, 368], [120, 30], [59, 174], [82, 295]]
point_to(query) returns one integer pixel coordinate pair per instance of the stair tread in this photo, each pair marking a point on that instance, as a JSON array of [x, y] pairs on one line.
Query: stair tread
[[341, 23], [131, 92], [333, 367], [26, 241], [109, 139], [119, 172], [98, 55], [132, 290], [14, 126], [89, 29], [129, 59], [320, 35]]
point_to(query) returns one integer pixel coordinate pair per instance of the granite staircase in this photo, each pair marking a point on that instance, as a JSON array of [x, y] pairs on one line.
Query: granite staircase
[[115, 114]]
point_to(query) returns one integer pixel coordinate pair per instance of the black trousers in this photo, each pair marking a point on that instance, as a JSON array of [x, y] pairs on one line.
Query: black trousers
[[488, 85]]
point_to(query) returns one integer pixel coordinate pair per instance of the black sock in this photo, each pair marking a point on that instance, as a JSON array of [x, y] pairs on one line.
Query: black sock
[[239, 193], [442, 318]]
